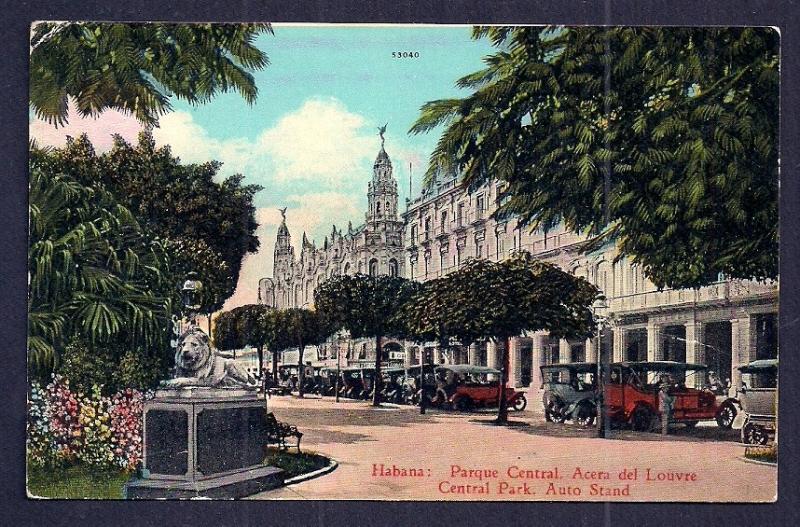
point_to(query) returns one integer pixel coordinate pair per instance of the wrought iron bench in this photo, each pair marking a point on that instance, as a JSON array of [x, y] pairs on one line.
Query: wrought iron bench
[[278, 432]]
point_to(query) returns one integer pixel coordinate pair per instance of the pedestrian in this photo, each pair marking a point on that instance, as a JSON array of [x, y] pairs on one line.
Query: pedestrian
[[665, 402]]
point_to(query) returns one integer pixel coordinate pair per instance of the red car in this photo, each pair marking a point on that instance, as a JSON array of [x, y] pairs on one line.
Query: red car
[[464, 387], [632, 394]]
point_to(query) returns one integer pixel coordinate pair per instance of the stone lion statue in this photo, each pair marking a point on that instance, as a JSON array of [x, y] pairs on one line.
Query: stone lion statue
[[196, 364]]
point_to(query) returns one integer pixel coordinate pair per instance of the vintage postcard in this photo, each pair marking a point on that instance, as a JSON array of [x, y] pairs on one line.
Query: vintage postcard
[[403, 262]]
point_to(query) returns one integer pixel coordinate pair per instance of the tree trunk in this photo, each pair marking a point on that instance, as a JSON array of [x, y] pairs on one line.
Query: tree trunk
[[260, 350], [275, 366], [301, 371], [502, 405], [376, 382]]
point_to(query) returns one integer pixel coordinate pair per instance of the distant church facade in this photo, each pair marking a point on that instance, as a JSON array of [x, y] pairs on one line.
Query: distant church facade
[[374, 247]]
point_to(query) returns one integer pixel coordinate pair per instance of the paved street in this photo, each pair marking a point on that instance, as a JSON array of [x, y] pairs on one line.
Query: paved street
[[396, 453]]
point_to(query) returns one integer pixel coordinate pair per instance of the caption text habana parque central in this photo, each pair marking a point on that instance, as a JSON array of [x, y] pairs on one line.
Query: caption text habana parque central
[[553, 482]]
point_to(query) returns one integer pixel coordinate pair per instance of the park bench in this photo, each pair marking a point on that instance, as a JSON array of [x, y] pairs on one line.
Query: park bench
[[278, 432]]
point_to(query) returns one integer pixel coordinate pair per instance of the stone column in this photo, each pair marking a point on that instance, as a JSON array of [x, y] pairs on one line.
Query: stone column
[[618, 353], [437, 355], [591, 353], [654, 351], [564, 351], [537, 359], [472, 352], [743, 346], [491, 354], [515, 366], [695, 352], [407, 359]]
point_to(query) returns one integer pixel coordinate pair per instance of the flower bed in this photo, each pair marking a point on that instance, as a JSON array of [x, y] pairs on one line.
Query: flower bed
[[67, 427]]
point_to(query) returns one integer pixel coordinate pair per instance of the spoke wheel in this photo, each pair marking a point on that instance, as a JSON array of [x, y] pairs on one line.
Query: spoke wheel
[[726, 415], [642, 419], [585, 415], [754, 434], [553, 411], [520, 403], [464, 404]]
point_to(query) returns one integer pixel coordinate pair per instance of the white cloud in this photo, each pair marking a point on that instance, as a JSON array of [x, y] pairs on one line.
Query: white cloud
[[320, 141], [99, 129]]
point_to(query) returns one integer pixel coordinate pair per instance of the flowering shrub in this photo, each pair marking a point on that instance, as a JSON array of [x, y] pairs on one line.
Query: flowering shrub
[[66, 426]]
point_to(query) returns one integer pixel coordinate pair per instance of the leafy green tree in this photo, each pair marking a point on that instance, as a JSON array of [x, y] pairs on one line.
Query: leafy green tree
[[303, 327], [366, 306], [662, 139], [137, 68], [95, 272], [207, 225], [485, 300]]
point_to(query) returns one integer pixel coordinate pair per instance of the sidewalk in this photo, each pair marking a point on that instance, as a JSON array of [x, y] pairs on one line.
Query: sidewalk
[[397, 454]]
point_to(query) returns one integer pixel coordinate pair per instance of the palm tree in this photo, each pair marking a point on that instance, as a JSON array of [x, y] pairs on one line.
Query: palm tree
[[136, 68], [93, 271], [663, 140]]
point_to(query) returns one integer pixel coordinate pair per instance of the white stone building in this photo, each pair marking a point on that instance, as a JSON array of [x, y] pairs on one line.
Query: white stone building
[[722, 325], [374, 247]]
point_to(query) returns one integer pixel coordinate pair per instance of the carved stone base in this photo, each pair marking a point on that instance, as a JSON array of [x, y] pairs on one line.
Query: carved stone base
[[204, 442], [230, 486]]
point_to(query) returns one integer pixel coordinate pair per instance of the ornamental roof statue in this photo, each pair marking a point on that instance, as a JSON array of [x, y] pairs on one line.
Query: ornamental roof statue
[[381, 131]]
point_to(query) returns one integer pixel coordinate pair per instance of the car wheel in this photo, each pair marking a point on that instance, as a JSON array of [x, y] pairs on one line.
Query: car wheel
[[642, 419], [553, 411], [585, 415], [464, 404], [754, 434], [520, 403], [726, 415]]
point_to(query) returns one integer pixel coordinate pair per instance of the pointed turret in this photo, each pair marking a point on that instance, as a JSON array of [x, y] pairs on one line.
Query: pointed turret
[[382, 189]]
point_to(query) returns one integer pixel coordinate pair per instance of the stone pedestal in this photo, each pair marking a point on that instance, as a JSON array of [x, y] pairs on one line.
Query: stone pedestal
[[204, 442]]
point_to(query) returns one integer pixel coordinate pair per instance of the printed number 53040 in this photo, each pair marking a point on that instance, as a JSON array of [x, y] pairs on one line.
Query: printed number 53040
[[405, 54]]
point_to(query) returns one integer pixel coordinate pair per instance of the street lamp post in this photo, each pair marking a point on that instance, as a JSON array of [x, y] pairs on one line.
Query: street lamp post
[[338, 364], [601, 320]]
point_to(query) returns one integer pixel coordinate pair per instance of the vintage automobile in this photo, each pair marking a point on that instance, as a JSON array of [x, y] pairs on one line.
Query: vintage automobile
[[392, 385], [758, 398], [632, 394], [352, 383], [411, 386], [287, 380], [464, 387], [730, 407], [569, 392], [326, 382]]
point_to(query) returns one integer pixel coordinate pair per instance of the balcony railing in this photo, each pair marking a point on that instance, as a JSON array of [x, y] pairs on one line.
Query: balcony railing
[[716, 292]]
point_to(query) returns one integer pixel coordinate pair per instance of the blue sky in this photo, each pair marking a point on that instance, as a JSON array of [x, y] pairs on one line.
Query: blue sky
[[311, 137]]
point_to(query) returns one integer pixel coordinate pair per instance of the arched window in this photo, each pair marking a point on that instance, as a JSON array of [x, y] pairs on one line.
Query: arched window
[[392, 267], [413, 234], [378, 208], [427, 227], [373, 267], [387, 208], [347, 268], [444, 221]]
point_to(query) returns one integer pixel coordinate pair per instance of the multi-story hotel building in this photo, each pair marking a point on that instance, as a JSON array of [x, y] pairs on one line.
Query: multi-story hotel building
[[723, 325]]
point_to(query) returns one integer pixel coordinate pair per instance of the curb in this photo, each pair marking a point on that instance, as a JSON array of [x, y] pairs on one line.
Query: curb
[[757, 462], [311, 475]]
